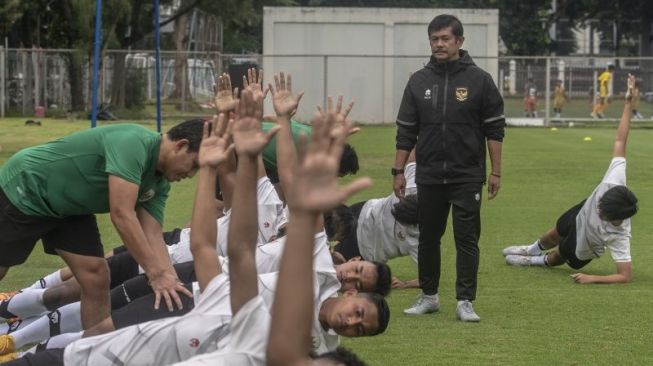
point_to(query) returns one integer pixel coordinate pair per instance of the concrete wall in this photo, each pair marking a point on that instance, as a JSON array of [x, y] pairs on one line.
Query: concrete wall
[[365, 54]]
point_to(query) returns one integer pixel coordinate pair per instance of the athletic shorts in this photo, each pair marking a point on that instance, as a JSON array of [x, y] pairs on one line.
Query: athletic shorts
[[348, 247], [48, 357], [122, 267], [19, 233], [566, 228], [142, 310]]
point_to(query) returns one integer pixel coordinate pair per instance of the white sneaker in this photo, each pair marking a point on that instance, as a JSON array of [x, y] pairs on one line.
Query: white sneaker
[[518, 260], [425, 304], [518, 250], [466, 313]]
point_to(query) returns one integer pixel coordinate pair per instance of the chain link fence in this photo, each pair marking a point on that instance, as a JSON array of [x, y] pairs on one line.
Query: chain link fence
[[37, 82]]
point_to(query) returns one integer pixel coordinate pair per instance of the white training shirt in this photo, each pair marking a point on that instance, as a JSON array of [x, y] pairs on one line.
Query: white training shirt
[[380, 236], [593, 235], [248, 330]]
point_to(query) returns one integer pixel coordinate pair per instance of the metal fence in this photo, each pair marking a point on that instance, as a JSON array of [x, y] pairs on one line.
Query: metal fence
[[55, 82]]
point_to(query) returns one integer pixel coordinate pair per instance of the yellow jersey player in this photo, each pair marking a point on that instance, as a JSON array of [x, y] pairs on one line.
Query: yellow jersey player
[[605, 92]]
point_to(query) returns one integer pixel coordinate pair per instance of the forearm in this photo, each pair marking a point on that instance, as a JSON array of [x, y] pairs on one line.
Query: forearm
[[401, 157], [286, 151], [622, 131], [204, 228], [292, 312], [494, 149], [135, 241], [613, 278]]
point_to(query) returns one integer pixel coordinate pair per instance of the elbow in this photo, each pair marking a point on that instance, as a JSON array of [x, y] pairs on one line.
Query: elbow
[[120, 215], [279, 354], [627, 278]]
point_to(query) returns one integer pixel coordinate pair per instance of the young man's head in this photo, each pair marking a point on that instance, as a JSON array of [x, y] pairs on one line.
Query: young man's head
[[178, 152], [446, 37], [364, 276], [617, 204], [405, 211], [340, 357], [339, 222], [348, 161], [611, 67], [355, 314]]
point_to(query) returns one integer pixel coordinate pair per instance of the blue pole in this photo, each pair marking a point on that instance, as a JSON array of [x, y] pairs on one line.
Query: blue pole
[[157, 45], [96, 60]]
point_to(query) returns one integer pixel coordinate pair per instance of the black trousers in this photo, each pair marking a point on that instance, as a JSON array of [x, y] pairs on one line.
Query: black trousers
[[435, 202]]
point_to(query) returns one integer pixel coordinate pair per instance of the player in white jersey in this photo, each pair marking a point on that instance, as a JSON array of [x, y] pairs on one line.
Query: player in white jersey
[[601, 221]]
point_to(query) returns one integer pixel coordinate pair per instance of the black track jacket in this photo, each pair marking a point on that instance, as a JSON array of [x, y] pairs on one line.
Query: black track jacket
[[453, 108]]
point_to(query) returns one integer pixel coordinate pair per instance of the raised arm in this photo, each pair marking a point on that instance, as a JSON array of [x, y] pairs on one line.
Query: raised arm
[[619, 149], [214, 150], [250, 141], [314, 190]]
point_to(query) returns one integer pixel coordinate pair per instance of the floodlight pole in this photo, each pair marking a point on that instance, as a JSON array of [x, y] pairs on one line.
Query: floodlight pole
[[96, 60], [157, 46]]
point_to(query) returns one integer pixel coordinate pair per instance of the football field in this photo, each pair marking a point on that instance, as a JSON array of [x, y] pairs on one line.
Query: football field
[[528, 315]]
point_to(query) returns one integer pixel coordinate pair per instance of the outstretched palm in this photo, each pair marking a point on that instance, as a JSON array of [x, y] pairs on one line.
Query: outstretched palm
[[225, 97], [215, 147], [284, 102], [249, 138]]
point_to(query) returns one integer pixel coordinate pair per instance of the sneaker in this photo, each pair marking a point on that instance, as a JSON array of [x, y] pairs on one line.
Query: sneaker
[[7, 295], [7, 344], [601, 115], [518, 260], [516, 250], [593, 115], [425, 304], [8, 357], [466, 313]]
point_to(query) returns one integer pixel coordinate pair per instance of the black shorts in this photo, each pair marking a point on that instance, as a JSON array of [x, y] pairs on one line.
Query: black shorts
[[566, 228], [20, 232], [122, 267], [142, 310], [348, 247], [48, 357]]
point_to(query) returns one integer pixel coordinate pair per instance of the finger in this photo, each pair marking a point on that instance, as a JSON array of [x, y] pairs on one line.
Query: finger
[[176, 299], [219, 125], [230, 149], [265, 92], [320, 111], [354, 130], [355, 187], [277, 83], [235, 95], [270, 118], [299, 97], [271, 132], [245, 83], [289, 83], [168, 301], [181, 288], [157, 299], [329, 104], [348, 109], [205, 130], [271, 89], [227, 81], [260, 77], [339, 104], [250, 78], [282, 79]]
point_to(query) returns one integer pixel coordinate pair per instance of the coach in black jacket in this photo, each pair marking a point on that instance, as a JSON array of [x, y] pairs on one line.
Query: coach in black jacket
[[450, 109]]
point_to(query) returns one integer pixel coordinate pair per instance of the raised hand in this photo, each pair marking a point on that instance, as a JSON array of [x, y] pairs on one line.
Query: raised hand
[[631, 86], [315, 187], [254, 82], [216, 147], [226, 99], [342, 113], [248, 136], [284, 102]]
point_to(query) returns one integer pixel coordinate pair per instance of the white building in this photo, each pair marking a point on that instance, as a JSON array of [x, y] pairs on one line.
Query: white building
[[367, 54]]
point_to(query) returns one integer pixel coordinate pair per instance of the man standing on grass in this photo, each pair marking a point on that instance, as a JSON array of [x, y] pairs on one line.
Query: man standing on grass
[[51, 192], [450, 110], [596, 223]]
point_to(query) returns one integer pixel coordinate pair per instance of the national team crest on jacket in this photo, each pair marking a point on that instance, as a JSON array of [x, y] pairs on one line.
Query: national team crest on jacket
[[427, 94], [461, 94]]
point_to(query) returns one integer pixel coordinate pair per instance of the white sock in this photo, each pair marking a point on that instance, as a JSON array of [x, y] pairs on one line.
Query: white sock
[[11, 327], [27, 303], [48, 281], [64, 320], [539, 260], [60, 341], [535, 248]]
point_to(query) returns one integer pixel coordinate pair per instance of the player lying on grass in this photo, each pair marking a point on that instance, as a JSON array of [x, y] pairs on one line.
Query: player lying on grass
[[601, 221]]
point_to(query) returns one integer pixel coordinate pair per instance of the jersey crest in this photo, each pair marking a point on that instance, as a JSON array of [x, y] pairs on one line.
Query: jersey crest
[[461, 94]]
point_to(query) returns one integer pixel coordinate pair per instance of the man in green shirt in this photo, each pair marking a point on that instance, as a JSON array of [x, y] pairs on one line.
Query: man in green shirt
[[51, 192]]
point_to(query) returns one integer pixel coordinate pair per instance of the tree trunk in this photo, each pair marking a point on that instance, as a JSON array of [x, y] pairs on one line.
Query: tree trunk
[[75, 74], [118, 80]]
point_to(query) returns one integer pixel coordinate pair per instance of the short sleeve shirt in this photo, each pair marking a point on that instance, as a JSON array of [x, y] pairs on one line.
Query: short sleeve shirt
[[270, 152], [70, 176], [594, 235]]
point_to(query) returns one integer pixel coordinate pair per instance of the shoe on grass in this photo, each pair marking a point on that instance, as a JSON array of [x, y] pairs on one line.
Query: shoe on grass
[[517, 250], [425, 304], [519, 260], [465, 312]]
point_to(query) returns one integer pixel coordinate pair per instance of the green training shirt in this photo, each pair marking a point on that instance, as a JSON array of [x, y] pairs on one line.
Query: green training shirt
[[70, 176], [270, 151]]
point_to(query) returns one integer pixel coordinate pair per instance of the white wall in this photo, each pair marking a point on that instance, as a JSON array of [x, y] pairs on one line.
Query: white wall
[[346, 51]]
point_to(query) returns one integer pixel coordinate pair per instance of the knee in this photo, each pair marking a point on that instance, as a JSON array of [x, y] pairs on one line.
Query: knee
[[94, 275]]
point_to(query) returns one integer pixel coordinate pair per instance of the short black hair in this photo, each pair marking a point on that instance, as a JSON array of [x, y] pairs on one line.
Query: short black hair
[[382, 309], [405, 211], [339, 222], [618, 203], [348, 161], [342, 356], [446, 20], [191, 130], [383, 278]]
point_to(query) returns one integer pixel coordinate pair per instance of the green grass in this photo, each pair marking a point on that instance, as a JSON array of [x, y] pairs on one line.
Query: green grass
[[575, 108], [529, 315]]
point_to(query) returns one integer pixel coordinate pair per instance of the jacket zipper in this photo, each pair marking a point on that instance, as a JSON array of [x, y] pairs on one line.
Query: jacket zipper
[[444, 114]]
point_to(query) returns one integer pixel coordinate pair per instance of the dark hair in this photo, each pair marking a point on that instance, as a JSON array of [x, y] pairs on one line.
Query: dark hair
[[342, 356], [339, 222], [618, 203], [191, 130], [382, 309], [405, 211], [610, 67], [446, 20], [348, 161], [383, 278]]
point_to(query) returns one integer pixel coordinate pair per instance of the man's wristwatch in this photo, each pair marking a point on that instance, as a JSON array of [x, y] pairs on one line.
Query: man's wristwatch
[[394, 171]]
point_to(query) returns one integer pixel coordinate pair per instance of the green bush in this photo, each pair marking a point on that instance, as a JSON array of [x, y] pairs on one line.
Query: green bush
[[135, 89]]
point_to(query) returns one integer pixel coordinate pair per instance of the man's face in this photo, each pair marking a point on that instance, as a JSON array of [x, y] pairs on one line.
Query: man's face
[[357, 274], [353, 316], [444, 45], [181, 163]]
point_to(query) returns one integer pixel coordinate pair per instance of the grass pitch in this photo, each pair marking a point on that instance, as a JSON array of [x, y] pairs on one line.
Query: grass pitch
[[529, 315]]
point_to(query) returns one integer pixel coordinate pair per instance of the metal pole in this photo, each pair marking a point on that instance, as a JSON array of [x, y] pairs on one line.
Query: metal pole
[[96, 60], [2, 81], [157, 47], [547, 112]]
